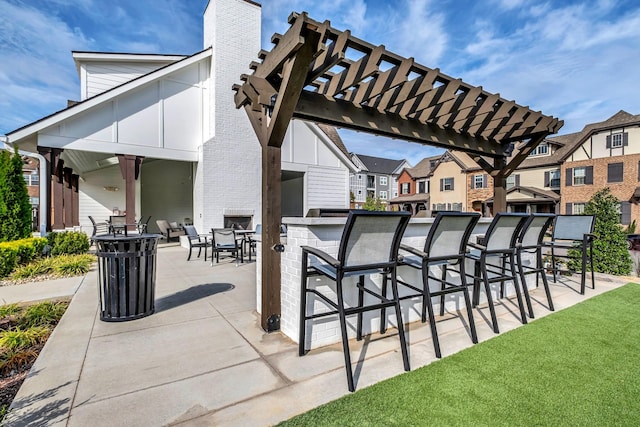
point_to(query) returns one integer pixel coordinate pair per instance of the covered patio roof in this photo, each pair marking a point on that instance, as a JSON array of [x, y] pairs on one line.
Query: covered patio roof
[[321, 74]]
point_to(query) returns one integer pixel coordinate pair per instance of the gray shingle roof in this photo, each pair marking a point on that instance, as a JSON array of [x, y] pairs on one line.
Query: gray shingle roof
[[379, 164], [333, 135]]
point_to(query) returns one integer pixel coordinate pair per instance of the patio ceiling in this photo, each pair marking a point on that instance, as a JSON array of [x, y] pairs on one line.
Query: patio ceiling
[[320, 74]]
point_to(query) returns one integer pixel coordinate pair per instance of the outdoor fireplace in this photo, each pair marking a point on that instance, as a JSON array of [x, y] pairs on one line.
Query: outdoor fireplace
[[238, 222]]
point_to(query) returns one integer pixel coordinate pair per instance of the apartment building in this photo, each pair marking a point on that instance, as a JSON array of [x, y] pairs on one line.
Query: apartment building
[[413, 187], [604, 154], [377, 178]]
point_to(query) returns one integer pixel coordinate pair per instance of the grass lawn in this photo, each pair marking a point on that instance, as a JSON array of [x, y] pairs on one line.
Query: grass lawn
[[579, 366]]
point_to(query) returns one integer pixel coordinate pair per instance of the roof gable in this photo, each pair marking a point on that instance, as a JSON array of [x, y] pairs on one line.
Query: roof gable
[[380, 165]]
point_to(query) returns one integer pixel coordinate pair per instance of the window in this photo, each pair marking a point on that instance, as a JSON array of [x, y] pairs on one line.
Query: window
[[479, 181], [383, 180], [446, 184], [513, 181], [457, 207], [552, 178], [616, 140], [383, 195], [578, 208], [371, 193], [614, 172], [405, 188], [371, 181], [540, 150], [579, 176], [421, 187], [35, 200]]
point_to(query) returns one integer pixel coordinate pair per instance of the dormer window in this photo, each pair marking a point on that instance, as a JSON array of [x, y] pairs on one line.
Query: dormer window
[[540, 150]]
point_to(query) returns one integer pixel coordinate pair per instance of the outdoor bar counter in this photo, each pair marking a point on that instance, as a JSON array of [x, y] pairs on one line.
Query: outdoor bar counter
[[325, 234]]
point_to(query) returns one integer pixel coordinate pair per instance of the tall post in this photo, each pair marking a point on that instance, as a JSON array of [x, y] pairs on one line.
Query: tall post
[[271, 220], [130, 169], [499, 186]]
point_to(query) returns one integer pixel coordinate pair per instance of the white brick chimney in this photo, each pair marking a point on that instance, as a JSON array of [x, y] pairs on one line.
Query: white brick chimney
[[229, 172]]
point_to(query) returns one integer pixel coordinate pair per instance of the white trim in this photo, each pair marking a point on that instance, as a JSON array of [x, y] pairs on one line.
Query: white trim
[[334, 149]]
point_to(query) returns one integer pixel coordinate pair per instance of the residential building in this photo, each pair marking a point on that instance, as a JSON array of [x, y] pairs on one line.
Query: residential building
[[413, 187], [604, 154], [377, 178], [31, 175], [160, 135], [452, 179]]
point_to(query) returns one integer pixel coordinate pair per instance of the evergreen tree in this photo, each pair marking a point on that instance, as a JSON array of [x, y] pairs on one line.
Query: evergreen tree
[[610, 253], [15, 209]]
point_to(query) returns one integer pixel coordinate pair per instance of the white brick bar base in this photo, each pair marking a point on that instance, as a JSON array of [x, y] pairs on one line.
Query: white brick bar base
[[325, 233]]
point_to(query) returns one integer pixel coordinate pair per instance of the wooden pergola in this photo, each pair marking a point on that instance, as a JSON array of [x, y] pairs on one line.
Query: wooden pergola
[[320, 74]]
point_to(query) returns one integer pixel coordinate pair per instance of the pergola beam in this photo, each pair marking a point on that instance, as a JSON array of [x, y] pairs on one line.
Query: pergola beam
[[337, 112]]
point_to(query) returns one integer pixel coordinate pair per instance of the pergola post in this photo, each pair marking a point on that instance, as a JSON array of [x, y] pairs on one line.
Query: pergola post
[[271, 219], [130, 169], [499, 188]]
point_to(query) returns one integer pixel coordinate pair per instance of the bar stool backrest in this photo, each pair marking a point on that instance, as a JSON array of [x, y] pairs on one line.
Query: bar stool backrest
[[450, 233], [572, 227], [534, 229], [503, 231], [371, 238]]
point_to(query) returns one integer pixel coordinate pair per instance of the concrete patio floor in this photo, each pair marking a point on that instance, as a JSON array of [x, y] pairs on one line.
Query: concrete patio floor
[[201, 359]]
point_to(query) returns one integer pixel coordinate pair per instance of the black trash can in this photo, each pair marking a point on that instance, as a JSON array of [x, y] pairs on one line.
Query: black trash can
[[126, 275]]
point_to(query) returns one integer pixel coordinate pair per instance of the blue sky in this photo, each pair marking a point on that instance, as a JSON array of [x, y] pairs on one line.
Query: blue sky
[[576, 60]]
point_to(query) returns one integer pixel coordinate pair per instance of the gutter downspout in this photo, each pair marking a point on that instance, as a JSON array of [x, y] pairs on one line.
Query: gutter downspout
[[42, 166]]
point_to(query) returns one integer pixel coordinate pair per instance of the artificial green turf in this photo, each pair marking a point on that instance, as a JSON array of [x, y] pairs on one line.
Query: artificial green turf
[[579, 366]]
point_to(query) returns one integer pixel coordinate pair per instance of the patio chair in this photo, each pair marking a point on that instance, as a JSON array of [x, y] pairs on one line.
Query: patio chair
[[573, 232], [446, 248], [143, 224], [196, 241], [531, 241], [369, 245], [225, 240], [167, 231], [98, 227], [117, 224], [491, 256]]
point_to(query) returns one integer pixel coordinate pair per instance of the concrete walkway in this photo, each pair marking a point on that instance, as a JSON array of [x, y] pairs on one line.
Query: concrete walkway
[[203, 360]]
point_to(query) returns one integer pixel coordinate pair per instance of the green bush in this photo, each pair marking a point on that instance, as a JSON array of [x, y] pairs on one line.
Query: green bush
[[46, 313], [19, 252], [8, 258], [73, 265], [610, 253], [68, 243], [15, 209], [19, 339]]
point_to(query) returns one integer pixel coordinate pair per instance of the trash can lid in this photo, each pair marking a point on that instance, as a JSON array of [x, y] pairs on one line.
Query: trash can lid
[[120, 237]]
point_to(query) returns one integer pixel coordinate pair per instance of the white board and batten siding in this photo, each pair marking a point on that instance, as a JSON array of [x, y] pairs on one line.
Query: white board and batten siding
[[307, 149]]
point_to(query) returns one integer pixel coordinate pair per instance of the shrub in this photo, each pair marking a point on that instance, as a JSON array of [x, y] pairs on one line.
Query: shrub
[[8, 258], [19, 252], [73, 265], [68, 243], [15, 209], [9, 310], [14, 359], [610, 253], [374, 204], [19, 339], [46, 313]]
